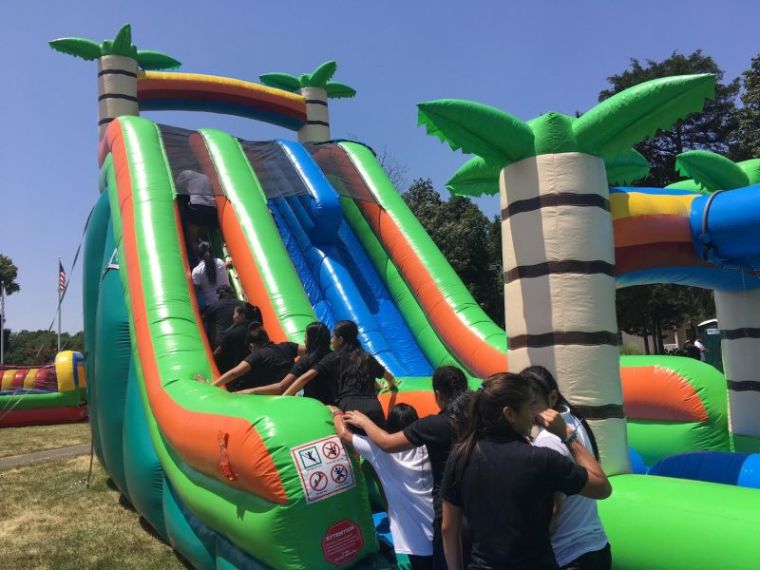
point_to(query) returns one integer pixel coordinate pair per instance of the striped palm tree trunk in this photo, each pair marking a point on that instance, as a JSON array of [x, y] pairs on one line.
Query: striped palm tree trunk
[[559, 286], [739, 320], [117, 89], [317, 127]]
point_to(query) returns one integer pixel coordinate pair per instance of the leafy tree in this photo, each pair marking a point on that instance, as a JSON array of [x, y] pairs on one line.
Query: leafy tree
[[715, 128], [749, 115], [321, 78], [649, 310], [465, 236], [39, 347], [120, 45], [8, 275]]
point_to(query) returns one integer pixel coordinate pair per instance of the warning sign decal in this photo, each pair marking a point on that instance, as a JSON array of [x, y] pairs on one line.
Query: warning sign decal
[[342, 543], [324, 468]]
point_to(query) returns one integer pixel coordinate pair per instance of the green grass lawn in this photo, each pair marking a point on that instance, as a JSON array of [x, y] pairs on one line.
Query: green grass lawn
[[50, 519], [20, 440]]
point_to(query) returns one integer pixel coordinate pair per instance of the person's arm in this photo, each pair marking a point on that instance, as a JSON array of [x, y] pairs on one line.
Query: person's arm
[[340, 426], [218, 350], [300, 382], [233, 374], [272, 389], [301, 349], [451, 528], [388, 442], [597, 486]]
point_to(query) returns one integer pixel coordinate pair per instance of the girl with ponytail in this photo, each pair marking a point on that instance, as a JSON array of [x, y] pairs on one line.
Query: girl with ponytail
[[504, 486], [578, 537], [352, 371], [208, 275]]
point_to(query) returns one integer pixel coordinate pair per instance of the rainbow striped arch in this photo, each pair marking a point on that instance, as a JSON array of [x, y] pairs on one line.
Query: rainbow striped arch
[[171, 91]]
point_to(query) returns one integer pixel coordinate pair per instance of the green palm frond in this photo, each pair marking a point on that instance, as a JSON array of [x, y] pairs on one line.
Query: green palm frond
[[78, 47], [337, 90], [689, 185], [475, 128], [149, 59], [711, 170], [121, 45], [626, 167], [476, 177], [638, 112], [319, 78], [322, 74], [284, 81], [751, 168]]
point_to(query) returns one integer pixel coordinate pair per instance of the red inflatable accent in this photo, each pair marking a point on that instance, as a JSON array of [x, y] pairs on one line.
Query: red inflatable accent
[[43, 416]]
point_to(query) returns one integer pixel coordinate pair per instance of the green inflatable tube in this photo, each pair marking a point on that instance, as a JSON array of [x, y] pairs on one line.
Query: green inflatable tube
[[674, 524], [445, 277]]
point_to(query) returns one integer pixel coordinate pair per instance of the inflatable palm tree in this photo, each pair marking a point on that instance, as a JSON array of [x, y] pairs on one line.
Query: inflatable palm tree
[[316, 87], [738, 312], [118, 60], [558, 251]]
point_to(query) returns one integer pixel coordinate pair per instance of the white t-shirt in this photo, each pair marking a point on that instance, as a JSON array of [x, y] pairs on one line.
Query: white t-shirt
[[701, 348], [198, 186], [407, 480], [208, 289], [578, 529]]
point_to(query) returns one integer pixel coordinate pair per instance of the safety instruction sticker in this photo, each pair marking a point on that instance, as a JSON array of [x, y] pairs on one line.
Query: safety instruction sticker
[[324, 468]]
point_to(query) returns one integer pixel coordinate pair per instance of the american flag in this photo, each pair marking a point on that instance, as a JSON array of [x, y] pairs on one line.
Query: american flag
[[61, 278]]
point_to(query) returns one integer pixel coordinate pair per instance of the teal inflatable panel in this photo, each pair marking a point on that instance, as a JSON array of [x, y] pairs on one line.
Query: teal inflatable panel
[[142, 469]]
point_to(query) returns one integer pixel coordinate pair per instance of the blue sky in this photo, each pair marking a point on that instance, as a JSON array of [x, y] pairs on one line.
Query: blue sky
[[526, 58]]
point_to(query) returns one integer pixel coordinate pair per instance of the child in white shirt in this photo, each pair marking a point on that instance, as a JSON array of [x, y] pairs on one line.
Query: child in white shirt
[[407, 481]]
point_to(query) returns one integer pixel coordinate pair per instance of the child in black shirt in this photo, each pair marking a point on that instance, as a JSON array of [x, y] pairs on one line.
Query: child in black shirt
[[267, 363], [352, 371], [321, 388], [504, 486]]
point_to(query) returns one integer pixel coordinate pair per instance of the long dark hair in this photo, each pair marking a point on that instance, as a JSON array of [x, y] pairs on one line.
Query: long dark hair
[[485, 415], [449, 382], [354, 367], [543, 382], [400, 416], [209, 261], [317, 339], [458, 411], [257, 335]]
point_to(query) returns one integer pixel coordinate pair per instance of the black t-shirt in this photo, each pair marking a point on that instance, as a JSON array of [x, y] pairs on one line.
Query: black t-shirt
[[507, 493], [322, 387], [435, 433], [234, 347], [269, 364], [218, 318], [348, 385]]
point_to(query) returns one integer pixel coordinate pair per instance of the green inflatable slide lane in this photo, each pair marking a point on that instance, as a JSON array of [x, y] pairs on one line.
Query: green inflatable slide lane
[[296, 532]]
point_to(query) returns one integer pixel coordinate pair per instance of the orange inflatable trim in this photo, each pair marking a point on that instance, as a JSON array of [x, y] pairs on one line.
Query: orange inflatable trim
[[476, 354], [659, 394], [193, 434]]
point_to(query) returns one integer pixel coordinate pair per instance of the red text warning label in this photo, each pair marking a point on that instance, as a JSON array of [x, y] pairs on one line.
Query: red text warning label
[[324, 468], [342, 543]]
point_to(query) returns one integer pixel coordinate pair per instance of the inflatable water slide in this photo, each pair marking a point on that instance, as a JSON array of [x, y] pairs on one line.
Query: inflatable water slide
[[34, 395], [315, 231]]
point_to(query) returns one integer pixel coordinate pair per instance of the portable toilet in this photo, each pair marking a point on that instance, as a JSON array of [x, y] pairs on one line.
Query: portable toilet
[[710, 334]]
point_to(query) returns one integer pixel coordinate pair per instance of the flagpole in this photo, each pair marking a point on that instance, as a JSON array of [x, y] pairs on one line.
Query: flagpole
[[2, 322], [59, 304]]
